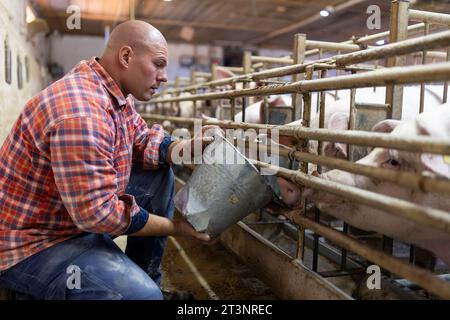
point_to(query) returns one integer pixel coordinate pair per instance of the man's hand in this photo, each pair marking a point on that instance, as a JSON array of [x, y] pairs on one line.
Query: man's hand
[[184, 229], [157, 226], [202, 138]]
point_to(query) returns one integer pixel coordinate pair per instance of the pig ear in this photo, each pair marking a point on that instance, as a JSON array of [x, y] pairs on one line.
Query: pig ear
[[437, 163], [338, 121], [276, 101], [222, 73], [279, 100], [386, 126]]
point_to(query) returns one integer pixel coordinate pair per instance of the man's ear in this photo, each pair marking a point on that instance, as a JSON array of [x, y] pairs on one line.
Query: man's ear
[[125, 54]]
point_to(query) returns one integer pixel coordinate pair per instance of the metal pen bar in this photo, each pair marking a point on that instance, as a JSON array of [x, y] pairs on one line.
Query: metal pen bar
[[434, 41], [434, 218], [373, 139]]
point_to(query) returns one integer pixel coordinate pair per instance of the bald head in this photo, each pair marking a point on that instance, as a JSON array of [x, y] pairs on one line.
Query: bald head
[[139, 35], [136, 58]]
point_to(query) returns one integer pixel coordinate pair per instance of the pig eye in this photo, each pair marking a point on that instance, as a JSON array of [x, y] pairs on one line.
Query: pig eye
[[394, 162]]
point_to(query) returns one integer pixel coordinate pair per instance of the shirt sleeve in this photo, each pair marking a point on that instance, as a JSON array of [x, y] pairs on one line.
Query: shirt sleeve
[[81, 151], [147, 142], [138, 221]]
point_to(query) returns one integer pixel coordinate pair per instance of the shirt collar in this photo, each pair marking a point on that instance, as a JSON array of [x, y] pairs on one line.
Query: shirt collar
[[108, 82]]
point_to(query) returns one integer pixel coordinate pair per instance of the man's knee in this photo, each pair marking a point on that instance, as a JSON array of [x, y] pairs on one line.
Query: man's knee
[[109, 273], [94, 287]]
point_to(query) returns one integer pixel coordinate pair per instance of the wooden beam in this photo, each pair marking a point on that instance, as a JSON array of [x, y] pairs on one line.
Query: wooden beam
[[296, 25], [162, 22]]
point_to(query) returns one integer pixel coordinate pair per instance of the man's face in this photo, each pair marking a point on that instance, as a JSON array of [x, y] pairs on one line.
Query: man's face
[[147, 69]]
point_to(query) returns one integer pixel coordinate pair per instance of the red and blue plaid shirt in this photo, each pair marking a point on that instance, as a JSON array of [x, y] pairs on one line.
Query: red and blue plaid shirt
[[66, 163]]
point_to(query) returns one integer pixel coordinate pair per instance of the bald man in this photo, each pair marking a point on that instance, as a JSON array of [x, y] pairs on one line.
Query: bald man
[[80, 167]]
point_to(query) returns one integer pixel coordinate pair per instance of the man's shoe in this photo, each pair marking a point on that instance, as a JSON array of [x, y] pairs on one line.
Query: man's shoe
[[177, 295]]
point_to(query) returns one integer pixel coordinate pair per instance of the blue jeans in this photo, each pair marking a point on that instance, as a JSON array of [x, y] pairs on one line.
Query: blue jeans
[[91, 266]]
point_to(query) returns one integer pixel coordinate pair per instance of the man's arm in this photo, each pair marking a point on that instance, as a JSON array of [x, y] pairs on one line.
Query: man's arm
[[153, 147], [160, 226]]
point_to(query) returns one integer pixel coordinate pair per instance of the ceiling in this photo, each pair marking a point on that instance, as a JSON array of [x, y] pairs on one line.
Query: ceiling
[[248, 23]]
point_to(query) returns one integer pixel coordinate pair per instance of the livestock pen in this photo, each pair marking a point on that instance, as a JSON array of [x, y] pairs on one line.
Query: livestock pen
[[296, 273]]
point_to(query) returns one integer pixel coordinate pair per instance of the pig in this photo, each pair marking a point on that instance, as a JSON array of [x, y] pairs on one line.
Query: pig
[[255, 113], [337, 118], [432, 124]]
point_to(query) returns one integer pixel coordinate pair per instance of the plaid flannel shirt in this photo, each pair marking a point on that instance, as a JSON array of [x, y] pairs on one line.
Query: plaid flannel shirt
[[66, 163]]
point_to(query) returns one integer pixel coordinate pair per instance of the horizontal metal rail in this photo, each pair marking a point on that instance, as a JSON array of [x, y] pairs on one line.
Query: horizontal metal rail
[[405, 179], [281, 60], [373, 139], [373, 37], [397, 75], [429, 42], [332, 46], [429, 17], [434, 218], [423, 278], [432, 54]]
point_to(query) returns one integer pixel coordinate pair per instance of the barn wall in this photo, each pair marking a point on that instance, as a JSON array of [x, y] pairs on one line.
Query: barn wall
[[13, 32]]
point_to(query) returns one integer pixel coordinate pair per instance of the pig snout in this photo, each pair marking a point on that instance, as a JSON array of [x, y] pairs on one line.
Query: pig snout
[[316, 195], [290, 192]]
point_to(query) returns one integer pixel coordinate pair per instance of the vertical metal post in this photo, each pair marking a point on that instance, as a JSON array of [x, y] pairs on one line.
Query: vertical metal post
[[352, 122], [424, 58], [445, 95], [176, 85], [411, 254], [193, 81], [338, 72], [398, 32], [233, 104], [343, 250], [322, 111], [247, 66], [214, 104], [266, 109], [193, 75], [298, 56], [303, 146], [388, 247], [319, 96]]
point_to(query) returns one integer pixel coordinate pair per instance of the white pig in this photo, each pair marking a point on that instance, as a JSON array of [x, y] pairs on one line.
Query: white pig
[[337, 117], [433, 124]]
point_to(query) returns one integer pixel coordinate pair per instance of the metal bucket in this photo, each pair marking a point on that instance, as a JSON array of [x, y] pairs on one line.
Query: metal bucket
[[217, 195]]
